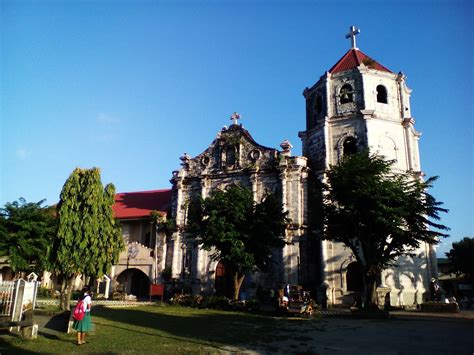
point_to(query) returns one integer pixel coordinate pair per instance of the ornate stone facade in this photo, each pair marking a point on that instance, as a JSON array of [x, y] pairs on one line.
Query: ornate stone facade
[[234, 157]]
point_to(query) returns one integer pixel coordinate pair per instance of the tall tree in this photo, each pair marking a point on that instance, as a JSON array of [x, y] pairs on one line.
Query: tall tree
[[89, 239], [461, 257], [380, 215], [238, 230], [27, 230]]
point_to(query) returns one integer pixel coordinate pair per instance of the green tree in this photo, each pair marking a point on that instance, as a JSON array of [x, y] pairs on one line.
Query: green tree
[[27, 230], [89, 239], [238, 230], [461, 257], [380, 215]]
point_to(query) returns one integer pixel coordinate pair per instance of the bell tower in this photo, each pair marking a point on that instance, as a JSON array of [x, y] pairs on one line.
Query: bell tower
[[357, 104]]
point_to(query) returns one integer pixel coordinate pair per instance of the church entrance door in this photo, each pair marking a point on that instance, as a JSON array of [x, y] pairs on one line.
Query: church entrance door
[[224, 283], [354, 277]]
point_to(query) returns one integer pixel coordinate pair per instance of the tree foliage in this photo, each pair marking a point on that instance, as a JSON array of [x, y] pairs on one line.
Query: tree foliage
[[27, 230], [461, 257], [238, 230], [380, 215], [89, 239]]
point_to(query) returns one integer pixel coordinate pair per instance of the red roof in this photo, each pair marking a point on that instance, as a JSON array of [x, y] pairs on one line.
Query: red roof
[[354, 58], [140, 204]]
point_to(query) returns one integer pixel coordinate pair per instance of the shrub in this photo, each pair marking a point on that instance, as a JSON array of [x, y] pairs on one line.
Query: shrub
[[187, 300]]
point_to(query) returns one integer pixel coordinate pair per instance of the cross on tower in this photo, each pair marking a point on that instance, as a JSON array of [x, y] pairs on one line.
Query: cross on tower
[[353, 32], [235, 116]]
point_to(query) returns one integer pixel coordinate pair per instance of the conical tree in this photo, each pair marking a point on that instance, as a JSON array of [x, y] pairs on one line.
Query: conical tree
[[89, 239]]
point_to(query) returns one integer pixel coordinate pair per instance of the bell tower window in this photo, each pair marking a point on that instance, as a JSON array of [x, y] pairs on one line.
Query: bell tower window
[[382, 94], [349, 146], [346, 94]]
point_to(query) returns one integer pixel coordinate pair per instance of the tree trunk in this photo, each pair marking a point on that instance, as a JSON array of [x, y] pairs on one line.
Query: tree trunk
[[238, 279], [66, 292]]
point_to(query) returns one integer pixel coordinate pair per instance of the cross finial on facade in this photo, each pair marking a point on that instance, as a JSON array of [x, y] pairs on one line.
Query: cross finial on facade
[[235, 116], [353, 32]]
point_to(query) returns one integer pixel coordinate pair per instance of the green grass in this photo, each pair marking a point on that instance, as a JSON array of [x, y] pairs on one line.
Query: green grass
[[164, 329]]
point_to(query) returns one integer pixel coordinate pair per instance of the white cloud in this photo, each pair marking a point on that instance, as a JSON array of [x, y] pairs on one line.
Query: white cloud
[[22, 153]]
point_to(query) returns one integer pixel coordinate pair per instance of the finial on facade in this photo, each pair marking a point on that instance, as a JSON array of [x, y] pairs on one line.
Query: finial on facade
[[235, 116], [286, 146], [353, 32], [185, 159]]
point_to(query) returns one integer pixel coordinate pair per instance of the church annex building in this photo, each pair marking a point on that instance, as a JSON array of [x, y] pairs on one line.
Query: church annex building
[[356, 104]]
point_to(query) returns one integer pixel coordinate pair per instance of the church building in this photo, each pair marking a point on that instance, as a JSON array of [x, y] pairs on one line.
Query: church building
[[356, 104]]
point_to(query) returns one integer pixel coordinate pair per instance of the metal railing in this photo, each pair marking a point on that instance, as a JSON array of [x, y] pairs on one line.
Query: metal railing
[[7, 293]]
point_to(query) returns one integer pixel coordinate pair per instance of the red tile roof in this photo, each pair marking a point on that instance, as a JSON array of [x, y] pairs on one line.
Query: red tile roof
[[140, 204], [352, 59]]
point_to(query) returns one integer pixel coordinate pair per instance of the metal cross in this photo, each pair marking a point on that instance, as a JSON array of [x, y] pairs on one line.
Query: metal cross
[[235, 116], [353, 32]]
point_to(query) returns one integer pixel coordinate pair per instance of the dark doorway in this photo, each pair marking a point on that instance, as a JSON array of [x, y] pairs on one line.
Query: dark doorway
[[354, 279], [134, 282], [224, 284]]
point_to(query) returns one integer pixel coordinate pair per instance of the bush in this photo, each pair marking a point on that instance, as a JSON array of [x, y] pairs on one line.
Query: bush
[[187, 300]]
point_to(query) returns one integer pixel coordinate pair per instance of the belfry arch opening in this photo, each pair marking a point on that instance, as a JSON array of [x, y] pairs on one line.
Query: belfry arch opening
[[382, 94], [346, 94], [349, 146]]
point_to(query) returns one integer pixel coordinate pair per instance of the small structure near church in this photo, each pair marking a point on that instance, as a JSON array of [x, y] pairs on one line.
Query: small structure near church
[[17, 302]]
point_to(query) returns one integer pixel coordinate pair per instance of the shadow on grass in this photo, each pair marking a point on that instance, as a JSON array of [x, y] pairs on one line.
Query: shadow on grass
[[58, 322], [203, 327], [7, 348]]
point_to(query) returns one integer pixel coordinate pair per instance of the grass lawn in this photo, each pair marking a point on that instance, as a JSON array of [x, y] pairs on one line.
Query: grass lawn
[[164, 329]]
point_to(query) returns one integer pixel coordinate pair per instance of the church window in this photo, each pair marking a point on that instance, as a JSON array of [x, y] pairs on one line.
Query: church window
[[354, 280], [346, 94], [349, 146], [382, 94]]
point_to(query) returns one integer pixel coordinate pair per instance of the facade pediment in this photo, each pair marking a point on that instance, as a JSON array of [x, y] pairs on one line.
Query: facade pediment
[[233, 151]]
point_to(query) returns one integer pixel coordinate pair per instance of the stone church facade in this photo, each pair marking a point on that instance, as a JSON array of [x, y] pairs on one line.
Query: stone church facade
[[356, 104]]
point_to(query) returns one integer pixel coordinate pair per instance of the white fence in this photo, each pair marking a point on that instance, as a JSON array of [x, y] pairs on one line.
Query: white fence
[[17, 297], [7, 291]]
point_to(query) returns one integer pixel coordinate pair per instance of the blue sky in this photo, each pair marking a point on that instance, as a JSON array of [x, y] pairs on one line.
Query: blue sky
[[129, 86]]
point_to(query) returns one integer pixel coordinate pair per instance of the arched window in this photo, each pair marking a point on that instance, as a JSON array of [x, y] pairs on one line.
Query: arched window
[[346, 94], [354, 281], [382, 94], [349, 146]]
